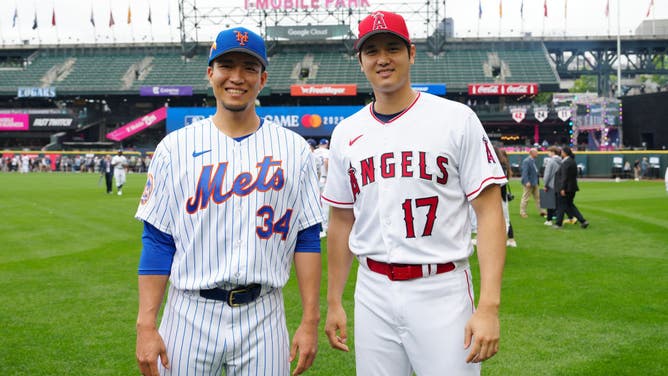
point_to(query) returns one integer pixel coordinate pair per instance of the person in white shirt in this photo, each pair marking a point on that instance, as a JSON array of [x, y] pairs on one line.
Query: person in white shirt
[[322, 156], [120, 164]]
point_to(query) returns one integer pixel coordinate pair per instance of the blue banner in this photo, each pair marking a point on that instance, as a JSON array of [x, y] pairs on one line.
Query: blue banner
[[436, 89], [308, 121]]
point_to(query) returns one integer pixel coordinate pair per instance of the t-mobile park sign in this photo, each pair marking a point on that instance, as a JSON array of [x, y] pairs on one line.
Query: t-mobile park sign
[[304, 4], [503, 89]]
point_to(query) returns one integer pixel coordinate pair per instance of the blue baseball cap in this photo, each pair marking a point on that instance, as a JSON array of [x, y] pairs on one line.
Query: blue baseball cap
[[239, 39], [324, 141], [311, 142]]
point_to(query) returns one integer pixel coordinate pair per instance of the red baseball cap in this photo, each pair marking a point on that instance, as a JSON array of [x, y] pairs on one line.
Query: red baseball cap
[[382, 22]]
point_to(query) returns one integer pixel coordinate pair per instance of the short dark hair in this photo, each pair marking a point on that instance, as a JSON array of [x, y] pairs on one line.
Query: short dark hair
[[568, 151]]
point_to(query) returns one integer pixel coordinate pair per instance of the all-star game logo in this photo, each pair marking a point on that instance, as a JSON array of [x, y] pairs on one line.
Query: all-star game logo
[[148, 190]]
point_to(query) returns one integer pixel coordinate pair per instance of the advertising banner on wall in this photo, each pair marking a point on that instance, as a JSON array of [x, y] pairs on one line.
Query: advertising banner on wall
[[51, 122], [138, 125], [165, 91], [436, 89], [36, 92], [323, 90], [306, 120], [291, 5], [309, 32], [14, 122], [503, 89]]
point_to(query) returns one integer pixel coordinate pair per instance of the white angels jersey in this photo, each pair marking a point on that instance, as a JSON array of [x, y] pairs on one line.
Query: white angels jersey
[[409, 181], [233, 207]]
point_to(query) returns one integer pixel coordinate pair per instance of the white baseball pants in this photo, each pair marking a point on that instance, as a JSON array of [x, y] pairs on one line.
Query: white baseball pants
[[205, 337], [413, 326]]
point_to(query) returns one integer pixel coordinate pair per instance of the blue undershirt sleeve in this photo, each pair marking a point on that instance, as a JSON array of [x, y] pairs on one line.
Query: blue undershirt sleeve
[[157, 253], [308, 239]]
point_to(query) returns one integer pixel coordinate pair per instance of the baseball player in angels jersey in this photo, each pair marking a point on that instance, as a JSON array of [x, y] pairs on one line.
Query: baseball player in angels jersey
[[402, 172], [230, 203]]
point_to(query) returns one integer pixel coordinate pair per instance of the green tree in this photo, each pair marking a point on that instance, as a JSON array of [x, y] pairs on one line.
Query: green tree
[[585, 84]]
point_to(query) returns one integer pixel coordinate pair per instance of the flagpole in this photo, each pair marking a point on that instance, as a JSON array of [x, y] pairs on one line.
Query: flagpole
[[522, 19], [619, 53], [565, 16], [54, 21], [39, 36], [607, 14], [92, 21], [653, 20], [132, 29]]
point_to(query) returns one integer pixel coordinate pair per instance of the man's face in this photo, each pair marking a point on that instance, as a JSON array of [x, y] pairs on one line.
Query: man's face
[[236, 79], [386, 62]]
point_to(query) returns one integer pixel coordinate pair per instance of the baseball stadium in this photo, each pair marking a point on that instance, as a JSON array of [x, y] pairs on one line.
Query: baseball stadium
[[574, 301]]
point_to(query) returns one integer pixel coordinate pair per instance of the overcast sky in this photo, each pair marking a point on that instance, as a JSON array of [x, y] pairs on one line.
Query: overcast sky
[[73, 25]]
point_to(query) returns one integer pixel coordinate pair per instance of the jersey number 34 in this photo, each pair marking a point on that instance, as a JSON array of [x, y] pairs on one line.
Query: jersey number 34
[[269, 227]]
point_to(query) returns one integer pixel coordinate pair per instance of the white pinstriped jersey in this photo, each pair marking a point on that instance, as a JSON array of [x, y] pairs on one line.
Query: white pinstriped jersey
[[233, 207], [408, 180]]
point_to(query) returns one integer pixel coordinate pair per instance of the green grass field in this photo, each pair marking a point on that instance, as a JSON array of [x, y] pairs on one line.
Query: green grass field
[[575, 302]]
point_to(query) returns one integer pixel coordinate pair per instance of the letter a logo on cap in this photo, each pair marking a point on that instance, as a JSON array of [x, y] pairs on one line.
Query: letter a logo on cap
[[242, 38], [379, 21]]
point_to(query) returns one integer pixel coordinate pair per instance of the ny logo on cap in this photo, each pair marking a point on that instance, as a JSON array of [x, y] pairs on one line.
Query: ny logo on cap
[[379, 21], [242, 38]]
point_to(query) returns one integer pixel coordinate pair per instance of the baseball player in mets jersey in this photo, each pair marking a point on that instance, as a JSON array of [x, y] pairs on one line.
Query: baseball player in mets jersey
[[402, 172], [230, 203]]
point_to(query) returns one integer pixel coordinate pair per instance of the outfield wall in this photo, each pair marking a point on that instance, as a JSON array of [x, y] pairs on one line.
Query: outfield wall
[[599, 164], [596, 164]]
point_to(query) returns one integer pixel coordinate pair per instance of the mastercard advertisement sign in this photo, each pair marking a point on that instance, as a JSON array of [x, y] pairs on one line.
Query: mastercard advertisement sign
[[315, 121]]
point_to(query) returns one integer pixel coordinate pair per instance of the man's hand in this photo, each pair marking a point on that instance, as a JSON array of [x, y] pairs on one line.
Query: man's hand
[[483, 327], [150, 346], [335, 327], [305, 341]]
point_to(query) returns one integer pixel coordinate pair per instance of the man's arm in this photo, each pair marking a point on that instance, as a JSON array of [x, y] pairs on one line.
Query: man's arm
[[150, 345], [484, 324], [308, 267], [339, 261]]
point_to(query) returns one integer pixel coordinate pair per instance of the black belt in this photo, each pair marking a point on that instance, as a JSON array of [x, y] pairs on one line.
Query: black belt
[[235, 297]]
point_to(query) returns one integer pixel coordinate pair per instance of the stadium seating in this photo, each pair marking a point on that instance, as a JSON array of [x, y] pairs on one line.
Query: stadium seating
[[125, 69]]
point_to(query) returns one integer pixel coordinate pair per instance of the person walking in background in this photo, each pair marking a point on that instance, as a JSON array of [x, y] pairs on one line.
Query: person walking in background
[[566, 184], [506, 196], [230, 203], [529, 180], [322, 154], [666, 179], [120, 164], [644, 168], [553, 162], [107, 170], [402, 172]]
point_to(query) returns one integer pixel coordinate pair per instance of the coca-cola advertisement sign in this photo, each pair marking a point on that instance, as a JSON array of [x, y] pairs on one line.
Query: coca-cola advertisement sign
[[503, 89]]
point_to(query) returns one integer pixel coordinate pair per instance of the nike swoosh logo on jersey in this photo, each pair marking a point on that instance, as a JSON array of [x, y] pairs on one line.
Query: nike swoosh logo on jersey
[[198, 153], [352, 141]]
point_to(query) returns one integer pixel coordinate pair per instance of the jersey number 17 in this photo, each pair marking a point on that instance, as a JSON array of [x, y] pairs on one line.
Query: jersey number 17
[[431, 203]]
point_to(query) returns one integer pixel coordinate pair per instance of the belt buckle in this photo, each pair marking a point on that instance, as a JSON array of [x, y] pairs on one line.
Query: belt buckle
[[230, 297], [396, 273]]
